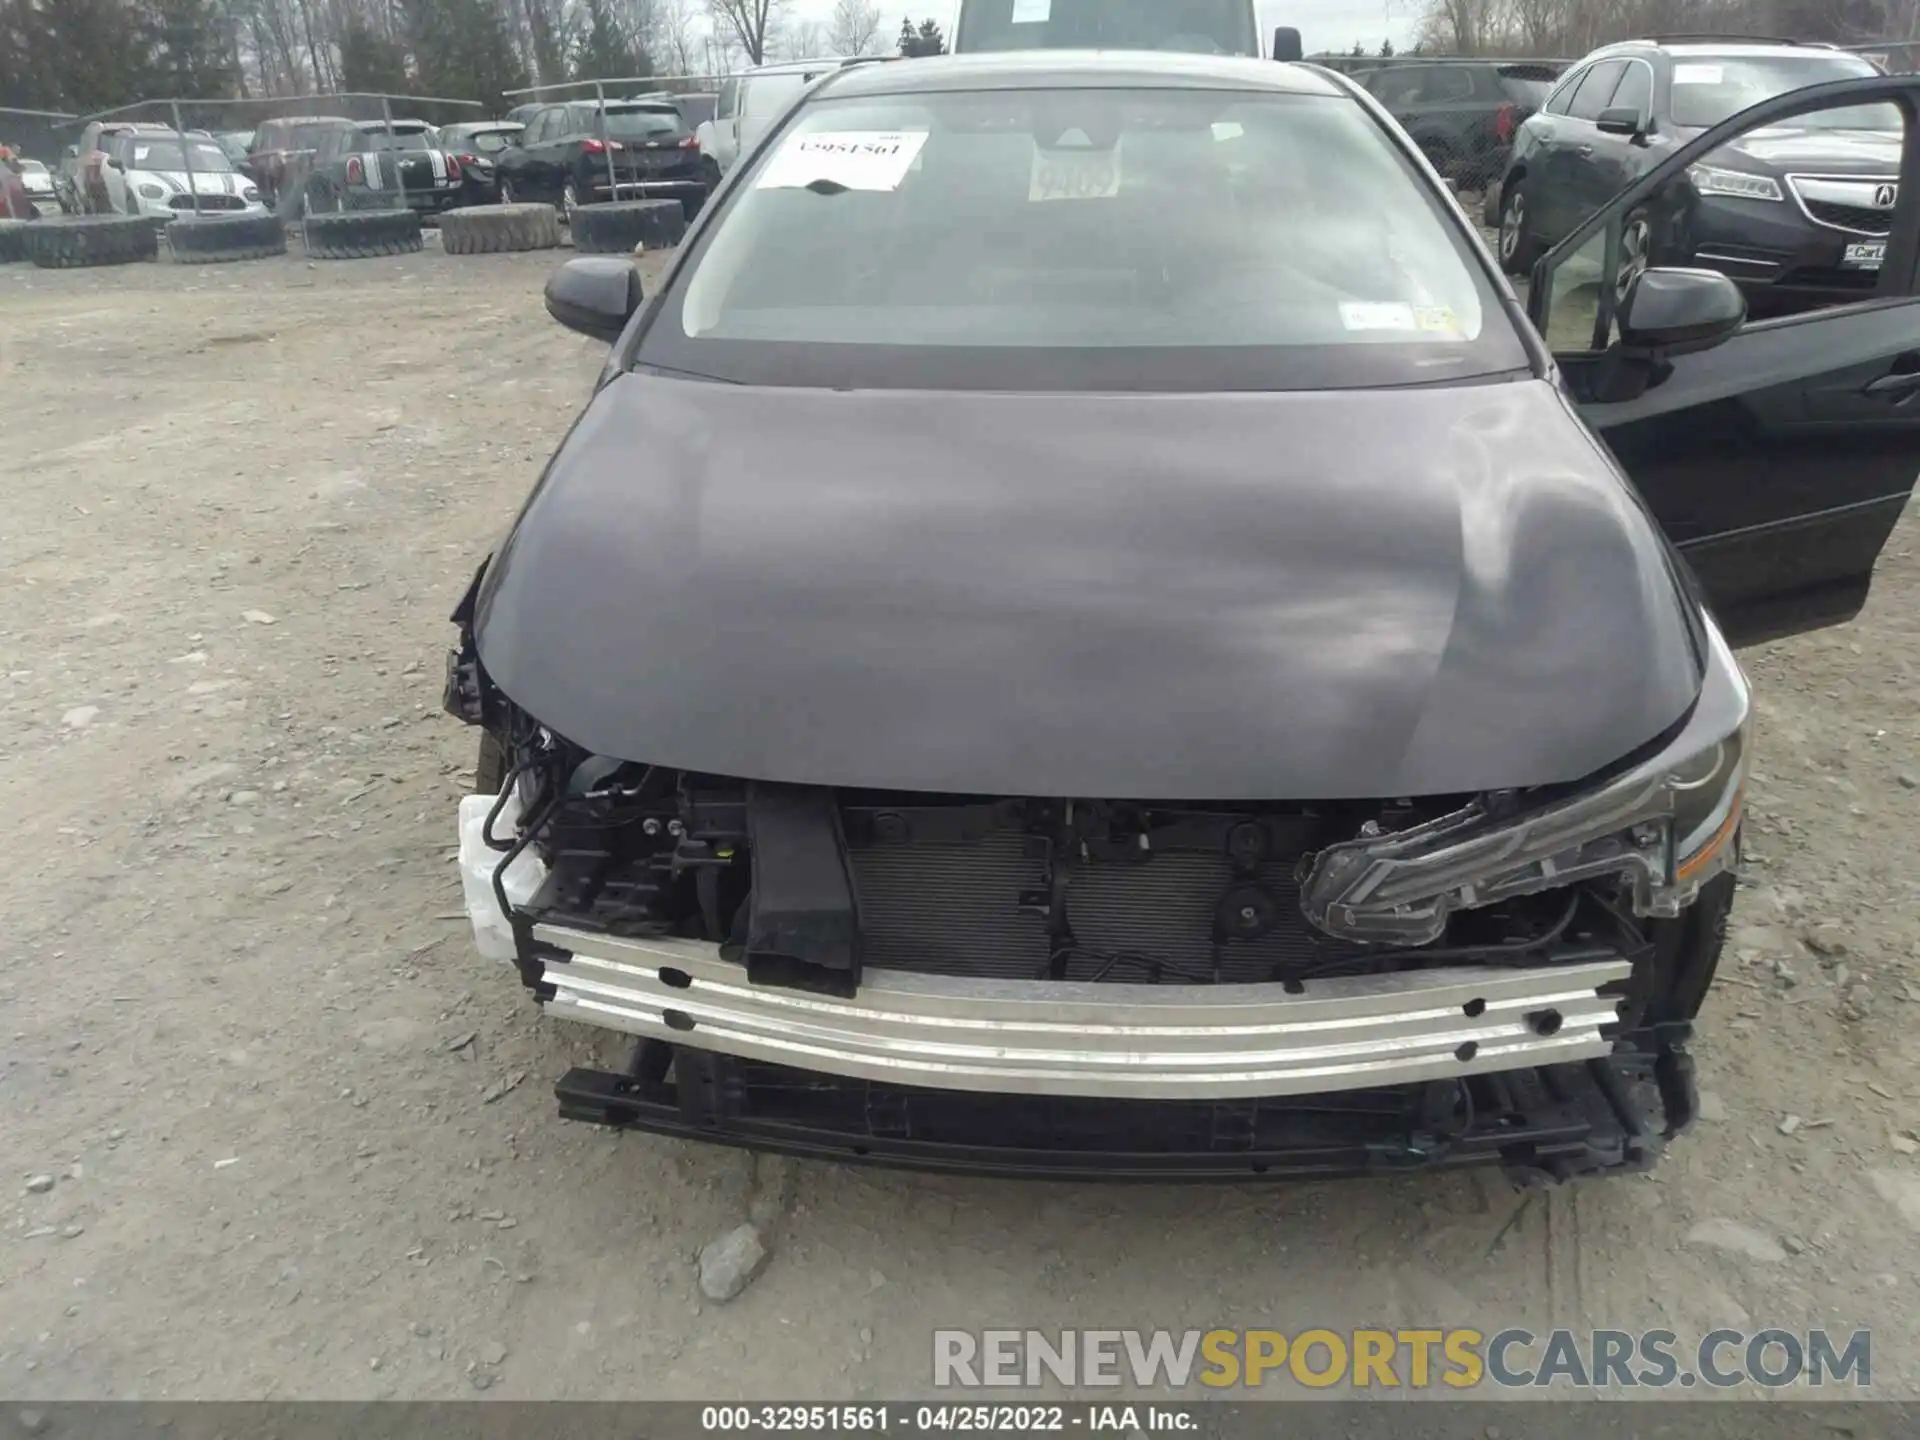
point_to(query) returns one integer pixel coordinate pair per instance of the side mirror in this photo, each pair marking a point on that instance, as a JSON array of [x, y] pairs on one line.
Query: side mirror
[[1623, 121], [1676, 312], [1286, 43], [595, 295]]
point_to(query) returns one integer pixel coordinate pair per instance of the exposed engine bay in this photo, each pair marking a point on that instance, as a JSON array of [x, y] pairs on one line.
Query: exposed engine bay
[[905, 976], [805, 886]]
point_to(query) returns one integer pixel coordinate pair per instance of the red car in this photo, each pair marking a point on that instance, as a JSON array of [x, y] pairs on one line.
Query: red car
[[14, 202], [282, 151]]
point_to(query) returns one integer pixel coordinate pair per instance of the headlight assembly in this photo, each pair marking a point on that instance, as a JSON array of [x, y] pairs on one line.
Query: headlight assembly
[[1663, 828], [153, 192], [1736, 184]]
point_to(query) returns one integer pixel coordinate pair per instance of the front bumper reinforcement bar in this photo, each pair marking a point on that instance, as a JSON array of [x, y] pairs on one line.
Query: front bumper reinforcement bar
[[1105, 1041]]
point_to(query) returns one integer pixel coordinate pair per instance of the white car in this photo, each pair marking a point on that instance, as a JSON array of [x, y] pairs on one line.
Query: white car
[[148, 174], [750, 102], [38, 181]]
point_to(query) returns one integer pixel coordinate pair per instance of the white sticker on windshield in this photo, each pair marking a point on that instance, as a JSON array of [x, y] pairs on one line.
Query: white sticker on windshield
[[1031, 12], [1228, 129], [140, 152], [1697, 74], [1376, 315], [1074, 174], [847, 159]]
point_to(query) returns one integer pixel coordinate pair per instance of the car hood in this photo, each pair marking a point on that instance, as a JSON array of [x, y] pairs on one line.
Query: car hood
[[205, 182], [1826, 151], [1304, 595]]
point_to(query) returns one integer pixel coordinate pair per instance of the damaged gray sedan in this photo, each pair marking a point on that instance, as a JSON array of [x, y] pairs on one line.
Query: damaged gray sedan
[[1083, 631]]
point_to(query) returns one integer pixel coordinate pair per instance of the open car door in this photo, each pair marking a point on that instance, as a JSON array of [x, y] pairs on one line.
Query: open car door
[[1779, 445]]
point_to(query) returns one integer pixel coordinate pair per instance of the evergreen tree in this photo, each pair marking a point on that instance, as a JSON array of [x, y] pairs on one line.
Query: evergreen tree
[[604, 50], [927, 40], [461, 50], [79, 55], [189, 50], [1386, 49], [370, 63]]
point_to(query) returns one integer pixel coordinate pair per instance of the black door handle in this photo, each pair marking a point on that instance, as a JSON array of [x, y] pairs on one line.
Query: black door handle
[[1898, 387]]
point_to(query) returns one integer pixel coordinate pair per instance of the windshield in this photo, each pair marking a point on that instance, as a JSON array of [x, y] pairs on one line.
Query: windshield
[[643, 124], [1220, 27], [1527, 87], [898, 233], [165, 155], [384, 139], [1710, 88], [485, 142]]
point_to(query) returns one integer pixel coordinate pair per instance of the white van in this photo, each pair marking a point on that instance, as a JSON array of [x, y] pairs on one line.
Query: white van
[[749, 103], [1210, 27]]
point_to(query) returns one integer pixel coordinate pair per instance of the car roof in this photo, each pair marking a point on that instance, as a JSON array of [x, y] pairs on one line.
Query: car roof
[[1733, 46], [1041, 69], [795, 67]]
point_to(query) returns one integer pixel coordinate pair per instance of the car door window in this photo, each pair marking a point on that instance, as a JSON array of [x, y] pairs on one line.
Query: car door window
[[1596, 90], [1635, 90], [1562, 97], [1446, 84], [1396, 88], [1777, 450]]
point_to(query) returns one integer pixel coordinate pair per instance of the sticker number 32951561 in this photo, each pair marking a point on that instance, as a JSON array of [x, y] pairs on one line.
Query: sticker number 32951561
[[844, 159]]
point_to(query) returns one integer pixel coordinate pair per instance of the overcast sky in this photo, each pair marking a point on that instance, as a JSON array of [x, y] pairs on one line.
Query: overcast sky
[[1323, 24]]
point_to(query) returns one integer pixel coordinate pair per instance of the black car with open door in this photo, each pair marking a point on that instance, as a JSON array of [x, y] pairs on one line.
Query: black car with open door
[[1778, 459], [1795, 213], [992, 683]]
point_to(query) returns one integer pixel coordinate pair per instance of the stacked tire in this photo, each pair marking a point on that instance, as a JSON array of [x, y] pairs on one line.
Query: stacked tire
[[13, 239], [497, 229], [74, 242], [628, 225], [361, 234], [213, 239]]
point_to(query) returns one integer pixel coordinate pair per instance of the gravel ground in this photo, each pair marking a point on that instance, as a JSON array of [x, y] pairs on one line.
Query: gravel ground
[[282, 1102]]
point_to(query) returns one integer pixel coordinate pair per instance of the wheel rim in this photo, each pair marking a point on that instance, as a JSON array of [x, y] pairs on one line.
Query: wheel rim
[[568, 199], [1511, 219], [1633, 256], [506, 193]]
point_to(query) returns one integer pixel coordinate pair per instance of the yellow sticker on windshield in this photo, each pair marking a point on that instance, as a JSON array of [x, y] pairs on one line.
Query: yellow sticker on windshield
[[1074, 173], [1376, 315], [1436, 319]]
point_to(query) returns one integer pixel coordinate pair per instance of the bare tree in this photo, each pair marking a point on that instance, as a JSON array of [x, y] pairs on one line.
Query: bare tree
[[854, 27], [750, 22], [680, 50], [801, 40]]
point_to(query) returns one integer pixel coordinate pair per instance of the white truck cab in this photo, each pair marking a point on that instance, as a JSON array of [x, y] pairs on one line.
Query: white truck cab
[[751, 101], [1209, 27]]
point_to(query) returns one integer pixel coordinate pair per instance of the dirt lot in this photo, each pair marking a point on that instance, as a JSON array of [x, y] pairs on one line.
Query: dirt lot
[[285, 1105]]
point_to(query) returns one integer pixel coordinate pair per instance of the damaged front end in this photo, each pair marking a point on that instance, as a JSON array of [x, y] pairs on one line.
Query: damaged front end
[[1092, 986]]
